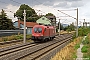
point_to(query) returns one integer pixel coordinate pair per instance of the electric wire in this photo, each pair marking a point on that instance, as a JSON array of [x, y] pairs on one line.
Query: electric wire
[[39, 10]]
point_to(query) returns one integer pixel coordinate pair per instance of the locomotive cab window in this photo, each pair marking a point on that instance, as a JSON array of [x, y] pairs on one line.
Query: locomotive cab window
[[37, 30]]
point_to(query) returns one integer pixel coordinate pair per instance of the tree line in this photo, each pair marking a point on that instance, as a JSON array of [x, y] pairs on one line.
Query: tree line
[[5, 22], [31, 16]]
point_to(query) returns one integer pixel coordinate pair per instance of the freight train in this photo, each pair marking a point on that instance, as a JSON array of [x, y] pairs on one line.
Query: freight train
[[43, 33]]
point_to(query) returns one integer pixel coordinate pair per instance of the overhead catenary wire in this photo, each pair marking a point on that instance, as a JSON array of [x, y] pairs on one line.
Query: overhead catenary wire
[[32, 1], [27, 10], [66, 14], [35, 9], [68, 10]]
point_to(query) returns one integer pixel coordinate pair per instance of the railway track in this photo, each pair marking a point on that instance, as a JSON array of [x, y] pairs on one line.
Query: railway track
[[37, 55], [6, 44], [34, 51], [13, 41]]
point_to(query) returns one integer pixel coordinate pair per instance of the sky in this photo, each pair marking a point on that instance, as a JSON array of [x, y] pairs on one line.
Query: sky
[[51, 6]]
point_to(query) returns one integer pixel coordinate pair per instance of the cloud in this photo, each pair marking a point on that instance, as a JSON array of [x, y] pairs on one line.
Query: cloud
[[69, 4], [10, 10], [60, 3], [49, 5], [77, 4]]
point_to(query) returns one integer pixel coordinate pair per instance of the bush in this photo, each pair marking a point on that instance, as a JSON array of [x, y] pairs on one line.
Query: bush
[[84, 49], [83, 31], [85, 42], [74, 36]]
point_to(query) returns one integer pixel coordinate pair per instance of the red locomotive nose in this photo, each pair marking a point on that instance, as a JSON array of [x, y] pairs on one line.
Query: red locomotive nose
[[36, 35]]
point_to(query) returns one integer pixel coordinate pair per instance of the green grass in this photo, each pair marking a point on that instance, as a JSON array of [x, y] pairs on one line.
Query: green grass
[[74, 55], [84, 49], [13, 37], [86, 41], [83, 31], [28, 36], [19, 36], [77, 46], [85, 56]]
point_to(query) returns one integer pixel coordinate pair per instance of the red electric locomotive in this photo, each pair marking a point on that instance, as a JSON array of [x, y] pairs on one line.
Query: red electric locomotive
[[43, 33]]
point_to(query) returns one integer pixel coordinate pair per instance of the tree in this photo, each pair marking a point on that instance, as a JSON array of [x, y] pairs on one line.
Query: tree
[[30, 13], [49, 14], [5, 23], [70, 28], [51, 17], [65, 28]]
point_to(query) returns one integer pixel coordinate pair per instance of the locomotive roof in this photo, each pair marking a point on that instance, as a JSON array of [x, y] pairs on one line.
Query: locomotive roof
[[44, 26]]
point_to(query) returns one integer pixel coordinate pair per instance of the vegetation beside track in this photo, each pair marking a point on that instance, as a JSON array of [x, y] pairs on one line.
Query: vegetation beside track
[[69, 51], [86, 48], [13, 37]]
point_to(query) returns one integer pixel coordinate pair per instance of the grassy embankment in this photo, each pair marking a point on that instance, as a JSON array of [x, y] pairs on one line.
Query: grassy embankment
[[69, 51], [13, 37], [86, 48]]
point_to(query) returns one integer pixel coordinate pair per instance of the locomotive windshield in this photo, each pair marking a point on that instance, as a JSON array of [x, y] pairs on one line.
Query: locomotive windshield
[[37, 30]]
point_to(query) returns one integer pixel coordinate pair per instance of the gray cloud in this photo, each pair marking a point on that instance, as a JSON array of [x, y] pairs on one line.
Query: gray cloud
[[77, 4], [62, 3], [70, 4]]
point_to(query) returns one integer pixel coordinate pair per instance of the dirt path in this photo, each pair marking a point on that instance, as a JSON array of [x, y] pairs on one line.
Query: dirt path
[[79, 53]]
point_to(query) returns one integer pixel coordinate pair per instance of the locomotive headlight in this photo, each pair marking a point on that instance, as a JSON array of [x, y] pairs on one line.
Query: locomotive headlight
[[41, 35], [32, 34]]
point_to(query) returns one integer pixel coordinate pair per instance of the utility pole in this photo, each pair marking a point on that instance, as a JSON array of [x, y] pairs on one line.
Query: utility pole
[[77, 24], [84, 20], [84, 23], [74, 18], [24, 14], [59, 27]]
